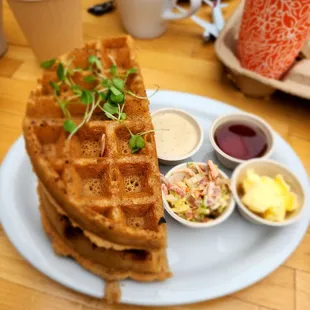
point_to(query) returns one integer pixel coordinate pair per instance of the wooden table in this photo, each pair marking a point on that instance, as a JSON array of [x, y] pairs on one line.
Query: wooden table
[[177, 61]]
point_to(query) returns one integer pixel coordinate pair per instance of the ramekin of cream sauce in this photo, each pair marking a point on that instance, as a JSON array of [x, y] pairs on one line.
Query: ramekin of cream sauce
[[178, 135]]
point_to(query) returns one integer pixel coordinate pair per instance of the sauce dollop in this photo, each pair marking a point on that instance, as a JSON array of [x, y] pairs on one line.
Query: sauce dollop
[[241, 141]]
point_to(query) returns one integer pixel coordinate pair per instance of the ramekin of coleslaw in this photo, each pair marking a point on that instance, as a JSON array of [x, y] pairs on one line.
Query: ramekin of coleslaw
[[197, 194]]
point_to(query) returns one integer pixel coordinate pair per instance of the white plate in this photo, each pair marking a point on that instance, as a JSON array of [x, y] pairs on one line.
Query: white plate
[[206, 263]]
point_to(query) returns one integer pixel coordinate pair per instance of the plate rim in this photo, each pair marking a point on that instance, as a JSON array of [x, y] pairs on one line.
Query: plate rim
[[158, 302]]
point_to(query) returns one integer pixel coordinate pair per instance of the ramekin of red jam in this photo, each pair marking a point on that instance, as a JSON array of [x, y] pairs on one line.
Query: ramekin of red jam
[[240, 137]]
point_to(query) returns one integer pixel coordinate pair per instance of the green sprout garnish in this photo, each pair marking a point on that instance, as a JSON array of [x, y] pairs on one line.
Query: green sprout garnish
[[87, 97], [95, 61], [90, 79], [113, 69], [131, 71], [61, 72], [136, 142], [55, 87], [118, 83], [108, 95], [69, 125], [48, 64]]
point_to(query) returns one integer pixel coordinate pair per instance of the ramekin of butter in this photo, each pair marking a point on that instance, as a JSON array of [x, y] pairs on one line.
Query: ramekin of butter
[[268, 193], [239, 137], [178, 135]]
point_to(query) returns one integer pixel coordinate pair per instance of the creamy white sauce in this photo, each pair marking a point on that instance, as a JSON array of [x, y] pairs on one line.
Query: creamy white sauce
[[175, 134]]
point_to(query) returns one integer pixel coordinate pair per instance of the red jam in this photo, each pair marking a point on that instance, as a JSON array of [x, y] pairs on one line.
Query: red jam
[[241, 141]]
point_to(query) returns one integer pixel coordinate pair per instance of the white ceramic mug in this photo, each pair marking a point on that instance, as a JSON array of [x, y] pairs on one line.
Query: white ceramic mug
[[146, 19]]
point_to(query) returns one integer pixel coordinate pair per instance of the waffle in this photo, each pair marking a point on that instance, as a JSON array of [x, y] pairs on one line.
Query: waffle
[[42, 192], [116, 197], [69, 240]]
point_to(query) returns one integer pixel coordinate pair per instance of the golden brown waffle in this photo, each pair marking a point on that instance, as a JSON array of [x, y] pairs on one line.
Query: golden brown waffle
[[91, 236], [68, 240], [117, 197]]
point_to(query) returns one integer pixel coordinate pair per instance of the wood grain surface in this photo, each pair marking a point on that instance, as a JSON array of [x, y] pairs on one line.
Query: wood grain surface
[[177, 61]]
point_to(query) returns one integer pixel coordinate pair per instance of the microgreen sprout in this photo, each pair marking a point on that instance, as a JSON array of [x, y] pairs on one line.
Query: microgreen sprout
[[95, 61], [113, 69], [108, 94], [55, 87], [48, 64], [136, 141], [89, 79], [61, 72], [131, 71], [87, 97], [142, 97], [70, 125]]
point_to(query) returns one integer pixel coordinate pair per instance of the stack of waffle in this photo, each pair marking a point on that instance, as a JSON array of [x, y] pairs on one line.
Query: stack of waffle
[[104, 211]]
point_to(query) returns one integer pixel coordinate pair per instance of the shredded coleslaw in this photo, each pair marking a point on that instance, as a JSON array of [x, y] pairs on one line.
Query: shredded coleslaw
[[197, 193]]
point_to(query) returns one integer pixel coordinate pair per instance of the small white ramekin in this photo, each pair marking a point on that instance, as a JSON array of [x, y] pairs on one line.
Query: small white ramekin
[[269, 168], [229, 210], [246, 119], [174, 160]]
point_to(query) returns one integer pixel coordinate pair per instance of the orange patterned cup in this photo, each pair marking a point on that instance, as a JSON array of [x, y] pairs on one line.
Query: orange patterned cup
[[272, 33]]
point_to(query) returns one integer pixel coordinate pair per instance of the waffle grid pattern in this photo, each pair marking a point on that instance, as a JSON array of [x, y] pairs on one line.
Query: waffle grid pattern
[[117, 195]]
